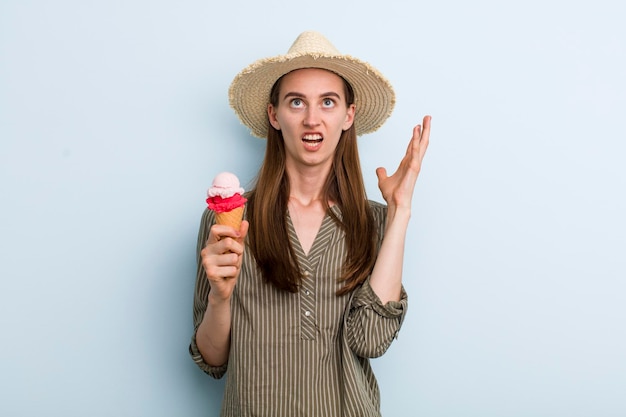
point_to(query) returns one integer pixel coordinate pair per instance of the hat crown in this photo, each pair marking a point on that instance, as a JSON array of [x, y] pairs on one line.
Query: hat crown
[[312, 43]]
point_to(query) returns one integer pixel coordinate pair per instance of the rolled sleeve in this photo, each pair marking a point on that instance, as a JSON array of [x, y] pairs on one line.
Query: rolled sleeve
[[216, 372], [371, 326]]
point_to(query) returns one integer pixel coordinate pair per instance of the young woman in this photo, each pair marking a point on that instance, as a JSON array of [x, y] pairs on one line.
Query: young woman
[[295, 302]]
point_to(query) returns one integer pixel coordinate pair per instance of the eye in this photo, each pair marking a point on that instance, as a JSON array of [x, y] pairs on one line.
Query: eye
[[328, 102], [296, 103]]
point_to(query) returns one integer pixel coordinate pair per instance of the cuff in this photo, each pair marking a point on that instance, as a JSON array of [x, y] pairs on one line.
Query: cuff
[[215, 371], [366, 297]]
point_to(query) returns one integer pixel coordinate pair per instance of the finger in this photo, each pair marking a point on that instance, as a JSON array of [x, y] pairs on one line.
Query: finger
[[229, 245], [426, 122], [220, 273], [420, 139], [213, 250], [413, 148], [415, 139], [243, 231], [415, 151], [381, 173], [220, 264], [417, 132], [425, 136], [219, 232], [227, 259]]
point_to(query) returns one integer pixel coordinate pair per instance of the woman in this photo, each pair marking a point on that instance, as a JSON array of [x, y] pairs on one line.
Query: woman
[[295, 302]]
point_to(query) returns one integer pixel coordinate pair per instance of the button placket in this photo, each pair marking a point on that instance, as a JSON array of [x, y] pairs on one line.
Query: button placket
[[307, 307]]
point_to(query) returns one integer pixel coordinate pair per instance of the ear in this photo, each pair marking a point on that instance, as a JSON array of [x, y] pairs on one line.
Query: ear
[[349, 117], [271, 114]]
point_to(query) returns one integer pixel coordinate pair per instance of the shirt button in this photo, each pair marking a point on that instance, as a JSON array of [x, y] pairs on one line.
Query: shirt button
[[307, 274], [307, 292], [307, 313]]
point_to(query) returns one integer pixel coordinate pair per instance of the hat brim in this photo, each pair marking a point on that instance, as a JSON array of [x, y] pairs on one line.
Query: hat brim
[[249, 92]]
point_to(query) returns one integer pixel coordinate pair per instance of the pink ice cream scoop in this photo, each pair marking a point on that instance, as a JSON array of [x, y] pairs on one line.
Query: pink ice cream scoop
[[225, 198]]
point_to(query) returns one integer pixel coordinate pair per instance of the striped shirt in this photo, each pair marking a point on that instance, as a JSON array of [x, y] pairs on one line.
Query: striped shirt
[[306, 353]]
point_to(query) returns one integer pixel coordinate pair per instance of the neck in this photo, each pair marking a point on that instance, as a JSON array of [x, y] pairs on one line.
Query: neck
[[306, 186]]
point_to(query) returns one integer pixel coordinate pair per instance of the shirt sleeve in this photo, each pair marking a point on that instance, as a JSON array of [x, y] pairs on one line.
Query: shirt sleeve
[[372, 326], [215, 371], [200, 299]]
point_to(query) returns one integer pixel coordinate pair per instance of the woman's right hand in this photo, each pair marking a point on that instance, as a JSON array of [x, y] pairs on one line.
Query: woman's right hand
[[221, 257]]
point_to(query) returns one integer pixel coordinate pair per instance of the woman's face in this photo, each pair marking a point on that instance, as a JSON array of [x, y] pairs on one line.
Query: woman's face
[[311, 114]]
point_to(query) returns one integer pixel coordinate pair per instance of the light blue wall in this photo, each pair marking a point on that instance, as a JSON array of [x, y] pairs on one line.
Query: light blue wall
[[114, 119]]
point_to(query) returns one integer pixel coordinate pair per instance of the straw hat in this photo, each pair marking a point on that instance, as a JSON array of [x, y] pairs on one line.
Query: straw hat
[[249, 92]]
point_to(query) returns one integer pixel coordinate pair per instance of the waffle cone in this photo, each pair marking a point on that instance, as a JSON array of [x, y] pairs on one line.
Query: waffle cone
[[231, 218]]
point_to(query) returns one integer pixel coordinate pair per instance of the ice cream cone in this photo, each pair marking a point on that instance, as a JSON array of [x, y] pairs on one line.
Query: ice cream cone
[[231, 218]]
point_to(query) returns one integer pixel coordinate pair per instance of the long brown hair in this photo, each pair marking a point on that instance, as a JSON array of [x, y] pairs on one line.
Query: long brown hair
[[267, 210]]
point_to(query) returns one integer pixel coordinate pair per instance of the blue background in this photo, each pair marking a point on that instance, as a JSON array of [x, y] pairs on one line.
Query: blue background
[[114, 119]]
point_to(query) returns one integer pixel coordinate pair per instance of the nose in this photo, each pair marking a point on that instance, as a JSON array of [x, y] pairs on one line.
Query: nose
[[311, 116]]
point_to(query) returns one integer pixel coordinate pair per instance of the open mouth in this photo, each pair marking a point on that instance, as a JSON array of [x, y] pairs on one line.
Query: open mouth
[[312, 139]]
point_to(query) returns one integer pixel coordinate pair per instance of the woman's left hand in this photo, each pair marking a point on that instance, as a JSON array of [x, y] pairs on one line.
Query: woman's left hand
[[398, 189]]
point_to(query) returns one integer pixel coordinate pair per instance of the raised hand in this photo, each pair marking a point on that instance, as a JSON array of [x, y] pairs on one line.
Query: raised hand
[[397, 189]]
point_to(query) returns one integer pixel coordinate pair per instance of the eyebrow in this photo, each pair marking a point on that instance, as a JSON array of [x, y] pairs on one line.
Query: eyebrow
[[296, 94]]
